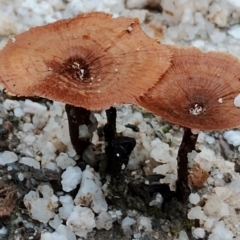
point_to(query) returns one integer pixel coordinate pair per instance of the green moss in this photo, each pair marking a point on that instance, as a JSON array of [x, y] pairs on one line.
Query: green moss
[[166, 128]]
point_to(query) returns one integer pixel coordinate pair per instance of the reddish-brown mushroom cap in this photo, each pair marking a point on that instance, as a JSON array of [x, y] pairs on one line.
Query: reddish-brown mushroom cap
[[92, 61], [197, 91]]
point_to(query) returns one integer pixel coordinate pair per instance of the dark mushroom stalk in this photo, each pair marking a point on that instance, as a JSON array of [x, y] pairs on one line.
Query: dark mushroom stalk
[[78, 117], [198, 91], [117, 150], [187, 145]]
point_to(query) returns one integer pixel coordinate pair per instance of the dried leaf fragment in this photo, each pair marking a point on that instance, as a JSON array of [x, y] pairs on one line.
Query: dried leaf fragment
[[197, 176], [8, 199]]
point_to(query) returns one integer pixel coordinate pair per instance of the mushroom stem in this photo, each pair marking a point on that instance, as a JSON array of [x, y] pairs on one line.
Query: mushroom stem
[[109, 135], [118, 148], [110, 127], [78, 116], [187, 145]]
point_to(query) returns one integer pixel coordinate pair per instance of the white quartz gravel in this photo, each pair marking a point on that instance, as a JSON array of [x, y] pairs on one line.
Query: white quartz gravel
[[71, 177], [41, 209], [7, 157], [194, 198]]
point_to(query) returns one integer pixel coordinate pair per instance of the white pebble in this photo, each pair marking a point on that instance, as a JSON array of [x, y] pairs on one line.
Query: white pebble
[[62, 229], [29, 139], [31, 162], [20, 176], [234, 31], [71, 178], [198, 233], [9, 104], [194, 198], [27, 127], [67, 206], [196, 213], [234, 3], [81, 221], [46, 236], [104, 220], [127, 224], [64, 161], [9, 168], [162, 169], [210, 140], [55, 222], [51, 125], [7, 157], [18, 112], [183, 235], [223, 193], [144, 224], [220, 232], [216, 208], [33, 107], [232, 137], [52, 236], [3, 231], [209, 223], [90, 192], [41, 209]]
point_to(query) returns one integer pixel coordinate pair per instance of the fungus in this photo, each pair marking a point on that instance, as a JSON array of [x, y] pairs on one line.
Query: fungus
[[199, 91], [92, 61]]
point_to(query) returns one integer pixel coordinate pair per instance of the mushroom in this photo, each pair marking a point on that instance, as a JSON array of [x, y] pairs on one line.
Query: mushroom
[[198, 91], [92, 61]]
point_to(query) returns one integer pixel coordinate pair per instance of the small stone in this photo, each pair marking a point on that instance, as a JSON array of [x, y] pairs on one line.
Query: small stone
[[215, 207], [223, 193], [33, 107], [144, 224], [196, 213], [104, 221], [18, 112], [183, 236], [194, 198], [234, 3], [64, 161], [127, 224], [81, 221], [71, 178], [232, 137], [31, 162], [7, 157], [198, 233], [234, 31], [9, 104]]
